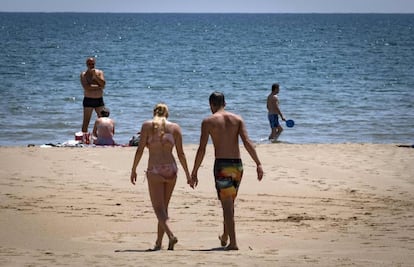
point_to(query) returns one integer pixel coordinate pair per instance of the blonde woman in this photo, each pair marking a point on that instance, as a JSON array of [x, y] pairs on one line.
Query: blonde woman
[[160, 136]]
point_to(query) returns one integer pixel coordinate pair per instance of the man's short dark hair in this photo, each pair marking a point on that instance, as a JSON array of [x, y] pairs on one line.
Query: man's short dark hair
[[275, 86], [217, 99]]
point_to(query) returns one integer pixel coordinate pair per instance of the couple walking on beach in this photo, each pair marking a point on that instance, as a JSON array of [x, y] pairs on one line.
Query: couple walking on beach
[[160, 136]]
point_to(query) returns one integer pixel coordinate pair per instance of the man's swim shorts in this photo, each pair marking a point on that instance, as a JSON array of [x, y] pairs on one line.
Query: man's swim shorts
[[227, 174], [273, 120], [93, 102]]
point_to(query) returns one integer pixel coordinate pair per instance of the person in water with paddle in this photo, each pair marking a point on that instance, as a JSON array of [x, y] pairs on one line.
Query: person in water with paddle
[[274, 113]]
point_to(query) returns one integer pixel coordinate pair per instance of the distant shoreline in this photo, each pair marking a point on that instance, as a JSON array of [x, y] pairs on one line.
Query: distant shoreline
[[211, 13]]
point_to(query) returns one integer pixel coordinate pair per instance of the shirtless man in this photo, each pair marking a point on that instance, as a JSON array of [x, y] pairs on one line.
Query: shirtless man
[[93, 83], [274, 113], [225, 128], [104, 129]]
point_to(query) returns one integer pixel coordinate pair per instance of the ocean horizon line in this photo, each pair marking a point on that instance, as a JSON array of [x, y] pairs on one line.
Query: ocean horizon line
[[211, 13]]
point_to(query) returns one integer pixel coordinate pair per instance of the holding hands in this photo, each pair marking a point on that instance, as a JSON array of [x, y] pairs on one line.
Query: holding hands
[[193, 182]]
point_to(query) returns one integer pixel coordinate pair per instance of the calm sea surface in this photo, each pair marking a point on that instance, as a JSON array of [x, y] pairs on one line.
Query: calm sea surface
[[344, 78]]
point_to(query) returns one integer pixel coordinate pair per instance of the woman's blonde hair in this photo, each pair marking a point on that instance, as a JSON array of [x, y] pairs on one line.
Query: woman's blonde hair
[[160, 117]]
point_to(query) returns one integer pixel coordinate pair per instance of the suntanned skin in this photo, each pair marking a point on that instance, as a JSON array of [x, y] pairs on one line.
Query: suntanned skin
[[225, 128], [160, 189], [104, 128], [273, 108], [93, 83]]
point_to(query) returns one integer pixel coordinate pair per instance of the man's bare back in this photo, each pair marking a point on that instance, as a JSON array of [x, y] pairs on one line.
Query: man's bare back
[[224, 128], [105, 127]]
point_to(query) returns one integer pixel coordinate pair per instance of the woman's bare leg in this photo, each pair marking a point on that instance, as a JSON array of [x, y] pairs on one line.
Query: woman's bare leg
[[169, 188], [160, 193], [160, 235]]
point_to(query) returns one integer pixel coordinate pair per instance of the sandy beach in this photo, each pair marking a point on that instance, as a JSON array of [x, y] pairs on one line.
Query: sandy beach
[[318, 205]]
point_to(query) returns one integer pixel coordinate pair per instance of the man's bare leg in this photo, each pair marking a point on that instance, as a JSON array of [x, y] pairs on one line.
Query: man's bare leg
[[273, 134], [225, 236], [98, 111], [279, 130], [228, 213], [87, 114]]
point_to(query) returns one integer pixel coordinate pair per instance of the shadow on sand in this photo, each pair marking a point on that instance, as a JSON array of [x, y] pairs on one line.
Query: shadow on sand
[[152, 250]]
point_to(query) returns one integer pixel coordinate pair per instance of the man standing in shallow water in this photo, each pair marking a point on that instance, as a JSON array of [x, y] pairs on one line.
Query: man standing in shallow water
[[93, 83], [274, 113], [225, 128]]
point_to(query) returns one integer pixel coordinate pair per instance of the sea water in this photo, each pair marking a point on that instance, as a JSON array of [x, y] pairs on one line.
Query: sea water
[[343, 77]]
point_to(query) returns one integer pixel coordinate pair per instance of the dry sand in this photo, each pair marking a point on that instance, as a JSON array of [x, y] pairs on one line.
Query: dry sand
[[318, 205]]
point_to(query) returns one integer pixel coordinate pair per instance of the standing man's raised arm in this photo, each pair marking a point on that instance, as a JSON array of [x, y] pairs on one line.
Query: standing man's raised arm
[[98, 77]]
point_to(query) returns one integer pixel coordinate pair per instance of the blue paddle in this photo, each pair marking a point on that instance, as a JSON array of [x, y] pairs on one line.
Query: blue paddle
[[290, 123]]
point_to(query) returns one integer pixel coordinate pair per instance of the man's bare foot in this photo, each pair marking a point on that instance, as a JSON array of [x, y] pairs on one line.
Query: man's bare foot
[[172, 242], [223, 241], [229, 247]]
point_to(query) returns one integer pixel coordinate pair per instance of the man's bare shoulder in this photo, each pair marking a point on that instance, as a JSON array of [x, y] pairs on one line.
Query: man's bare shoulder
[[209, 118], [232, 115], [226, 117], [98, 71]]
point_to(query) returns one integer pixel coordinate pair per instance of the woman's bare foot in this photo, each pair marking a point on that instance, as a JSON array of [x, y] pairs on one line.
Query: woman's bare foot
[[229, 247], [223, 241], [172, 242], [156, 247]]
